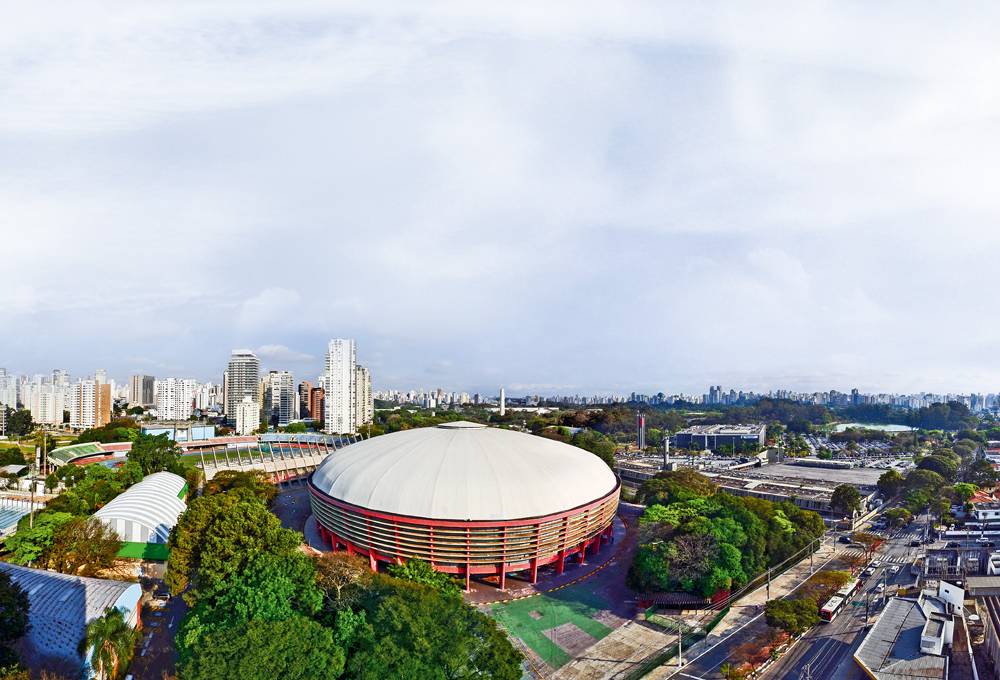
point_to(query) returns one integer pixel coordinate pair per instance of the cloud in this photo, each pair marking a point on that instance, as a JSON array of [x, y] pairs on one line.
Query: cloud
[[638, 196], [281, 353]]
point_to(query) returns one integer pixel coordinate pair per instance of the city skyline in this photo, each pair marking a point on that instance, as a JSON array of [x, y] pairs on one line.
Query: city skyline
[[802, 204]]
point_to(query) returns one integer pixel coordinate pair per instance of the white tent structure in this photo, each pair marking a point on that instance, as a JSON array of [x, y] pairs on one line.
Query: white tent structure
[[147, 511]]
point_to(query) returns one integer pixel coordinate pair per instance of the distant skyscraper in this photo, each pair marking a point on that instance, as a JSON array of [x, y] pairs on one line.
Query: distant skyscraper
[[503, 402], [338, 383], [140, 390], [242, 380], [640, 424], [279, 398], [8, 389], [364, 404]]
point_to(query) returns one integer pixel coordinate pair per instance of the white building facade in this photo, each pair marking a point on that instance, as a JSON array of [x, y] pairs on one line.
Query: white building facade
[[175, 398], [247, 416], [338, 383]]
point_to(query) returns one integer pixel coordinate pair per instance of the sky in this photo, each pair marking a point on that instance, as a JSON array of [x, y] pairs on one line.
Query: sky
[[560, 197]]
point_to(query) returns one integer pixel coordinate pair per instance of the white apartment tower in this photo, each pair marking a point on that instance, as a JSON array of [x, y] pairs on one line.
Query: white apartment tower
[[364, 404], [8, 389], [247, 416], [242, 379], [174, 398], [83, 404], [338, 383]]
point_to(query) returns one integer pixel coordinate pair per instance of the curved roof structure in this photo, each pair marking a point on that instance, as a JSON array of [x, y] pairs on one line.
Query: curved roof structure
[[147, 511], [464, 471], [60, 606]]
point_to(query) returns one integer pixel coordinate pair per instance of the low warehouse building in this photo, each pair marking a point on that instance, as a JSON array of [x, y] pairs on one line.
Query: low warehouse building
[[59, 608], [144, 514]]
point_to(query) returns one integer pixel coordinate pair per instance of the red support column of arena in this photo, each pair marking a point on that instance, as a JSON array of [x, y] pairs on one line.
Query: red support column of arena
[[468, 561], [503, 563], [371, 560], [583, 553]]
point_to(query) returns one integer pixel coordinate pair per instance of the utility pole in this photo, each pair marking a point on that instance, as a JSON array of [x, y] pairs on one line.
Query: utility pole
[[768, 584], [680, 644]]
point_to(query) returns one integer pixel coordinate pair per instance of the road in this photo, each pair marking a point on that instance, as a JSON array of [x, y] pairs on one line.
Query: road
[[828, 648]]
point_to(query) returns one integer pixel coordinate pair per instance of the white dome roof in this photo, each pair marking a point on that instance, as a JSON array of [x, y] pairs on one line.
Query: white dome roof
[[464, 471]]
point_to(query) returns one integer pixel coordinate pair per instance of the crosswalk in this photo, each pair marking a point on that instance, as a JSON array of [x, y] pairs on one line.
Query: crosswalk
[[901, 560]]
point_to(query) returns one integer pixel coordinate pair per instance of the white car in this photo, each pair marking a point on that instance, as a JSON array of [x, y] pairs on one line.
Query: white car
[[880, 587], [876, 563], [894, 569]]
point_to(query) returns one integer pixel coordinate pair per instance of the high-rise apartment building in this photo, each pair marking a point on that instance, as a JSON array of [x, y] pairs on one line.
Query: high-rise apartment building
[[338, 383], [364, 405], [279, 398], [175, 398], [247, 416], [8, 389], [241, 380], [317, 404], [140, 390], [90, 404], [305, 392]]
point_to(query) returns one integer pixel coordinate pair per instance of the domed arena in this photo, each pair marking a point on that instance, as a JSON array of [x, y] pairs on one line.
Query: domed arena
[[468, 499]]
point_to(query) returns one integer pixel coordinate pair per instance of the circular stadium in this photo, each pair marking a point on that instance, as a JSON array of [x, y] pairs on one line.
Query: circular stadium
[[468, 499]]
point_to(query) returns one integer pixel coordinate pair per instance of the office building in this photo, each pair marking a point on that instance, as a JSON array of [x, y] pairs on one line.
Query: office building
[[338, 383], [175, 398], [3, 420], [8, 389], [279, 398], [241, 380], [364, 404], [140, 392], [736, 437], [247, 416]]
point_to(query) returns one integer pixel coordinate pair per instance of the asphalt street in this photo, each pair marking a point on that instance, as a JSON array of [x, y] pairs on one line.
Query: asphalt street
[[826, 650]]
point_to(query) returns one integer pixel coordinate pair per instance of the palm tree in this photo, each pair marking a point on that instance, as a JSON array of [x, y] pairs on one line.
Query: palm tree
[[113, 642]]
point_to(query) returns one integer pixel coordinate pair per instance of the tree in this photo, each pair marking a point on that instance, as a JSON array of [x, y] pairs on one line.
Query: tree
[[30, 544], [890, 483], [846, 500], [296, 428], [823, 584], [342, 578], [792, 616], [269, 588], [296, 648], [898, 517], [980, 473], [19, 423], [13, 609], [421, 572], [155, 454], [419, 632], [83, 546], [942, 465], [964, 491], [113, 642], [217, 536], [925, 480], [870, 541], [253, 480]]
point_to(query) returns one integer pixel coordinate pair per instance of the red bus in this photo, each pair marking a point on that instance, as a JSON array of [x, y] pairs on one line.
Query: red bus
[[828, 612]]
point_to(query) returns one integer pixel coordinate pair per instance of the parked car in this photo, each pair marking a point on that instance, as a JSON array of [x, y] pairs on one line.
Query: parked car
[[953, 544], [915, 543], [894, 569]]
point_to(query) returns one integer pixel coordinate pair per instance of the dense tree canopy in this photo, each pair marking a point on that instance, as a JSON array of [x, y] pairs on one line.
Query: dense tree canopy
[[845, 500], [705, 543], [792, 616], [155, 454], [890, 483], [295, 648]]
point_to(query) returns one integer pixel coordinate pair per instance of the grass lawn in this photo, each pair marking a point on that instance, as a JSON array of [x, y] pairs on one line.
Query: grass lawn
[[528, 619]]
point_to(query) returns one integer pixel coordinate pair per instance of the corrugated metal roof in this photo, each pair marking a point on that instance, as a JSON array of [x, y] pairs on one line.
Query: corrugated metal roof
[[464, 471], [891, 650], [60, 606], [152, 504]]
